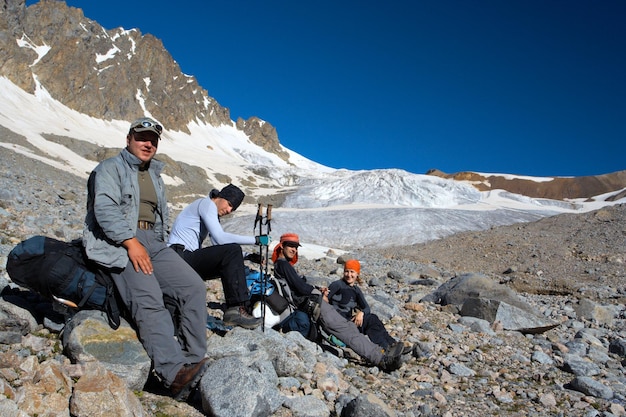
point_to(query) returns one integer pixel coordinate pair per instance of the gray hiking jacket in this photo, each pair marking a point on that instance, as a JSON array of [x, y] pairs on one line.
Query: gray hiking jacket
[[113, 208]]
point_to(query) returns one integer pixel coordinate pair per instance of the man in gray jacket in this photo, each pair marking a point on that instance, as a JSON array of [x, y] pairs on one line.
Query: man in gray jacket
[[125, 230]]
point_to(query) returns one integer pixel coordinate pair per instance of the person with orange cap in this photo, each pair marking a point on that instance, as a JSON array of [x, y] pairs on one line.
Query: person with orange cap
[[284, 257], [348, 299]]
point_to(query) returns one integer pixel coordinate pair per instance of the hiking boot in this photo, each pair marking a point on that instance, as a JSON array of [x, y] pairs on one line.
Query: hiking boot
[[406, 348], [392, 358], [238, 316], [187, 378]]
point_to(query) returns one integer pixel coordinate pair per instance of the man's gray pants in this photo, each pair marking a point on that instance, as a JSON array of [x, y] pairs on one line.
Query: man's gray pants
[[335, 324], [143, 296]]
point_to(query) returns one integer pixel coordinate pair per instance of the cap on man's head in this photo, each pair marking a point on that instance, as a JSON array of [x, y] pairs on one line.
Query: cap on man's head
[[291, 238], [233, 195], [146, 124], [353, 264]]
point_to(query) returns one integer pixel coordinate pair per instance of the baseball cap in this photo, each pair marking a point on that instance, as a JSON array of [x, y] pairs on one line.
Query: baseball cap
[[146, 124]]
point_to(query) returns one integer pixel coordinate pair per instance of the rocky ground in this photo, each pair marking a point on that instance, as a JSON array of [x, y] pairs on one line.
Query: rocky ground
[[460, 368]]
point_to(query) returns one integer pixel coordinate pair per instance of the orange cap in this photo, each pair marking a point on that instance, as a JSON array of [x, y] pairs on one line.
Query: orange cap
[[290, 237], [287, 237], [353, 264]]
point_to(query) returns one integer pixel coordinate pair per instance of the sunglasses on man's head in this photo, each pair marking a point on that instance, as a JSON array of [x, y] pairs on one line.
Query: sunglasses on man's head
[[147, 123]]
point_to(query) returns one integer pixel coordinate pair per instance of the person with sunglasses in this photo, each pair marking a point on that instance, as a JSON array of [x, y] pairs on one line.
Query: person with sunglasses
[[125, 231], [224, 257], [284, 257]]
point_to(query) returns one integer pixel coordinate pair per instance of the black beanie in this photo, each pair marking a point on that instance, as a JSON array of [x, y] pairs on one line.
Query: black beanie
[[233, 194]]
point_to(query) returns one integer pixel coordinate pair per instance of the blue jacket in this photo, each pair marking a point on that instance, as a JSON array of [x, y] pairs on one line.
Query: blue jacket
[[113, 208]]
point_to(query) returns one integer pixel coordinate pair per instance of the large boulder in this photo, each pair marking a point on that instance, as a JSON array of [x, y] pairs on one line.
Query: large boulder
[[88, 337], [477, 295]]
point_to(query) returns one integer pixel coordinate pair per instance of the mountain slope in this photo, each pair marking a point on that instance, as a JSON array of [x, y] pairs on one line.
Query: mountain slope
[[69, 117]]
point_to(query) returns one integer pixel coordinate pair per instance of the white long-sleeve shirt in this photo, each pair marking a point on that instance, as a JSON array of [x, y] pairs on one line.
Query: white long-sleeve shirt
[[199, 220]]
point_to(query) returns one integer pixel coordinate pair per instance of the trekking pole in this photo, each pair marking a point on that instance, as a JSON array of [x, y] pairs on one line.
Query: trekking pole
[[268, 222], [259, 216], [259, 220], [265, 275]]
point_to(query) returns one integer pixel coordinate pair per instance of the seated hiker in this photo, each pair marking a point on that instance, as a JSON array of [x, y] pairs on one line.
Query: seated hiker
[[348, 299], [224, 257], [284, 256], [125, 230], [279, 313]]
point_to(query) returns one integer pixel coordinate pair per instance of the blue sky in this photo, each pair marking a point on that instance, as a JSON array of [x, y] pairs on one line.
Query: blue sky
[[529, 87]]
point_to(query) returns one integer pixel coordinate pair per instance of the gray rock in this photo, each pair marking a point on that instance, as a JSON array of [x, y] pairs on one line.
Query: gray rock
[[477, 325], [88, 337], [383, 305], [541, 357], [618, 346], [472, 285], [511, 317], [590, 310], [9, 408], [598, 354], [460, 370], [290, 354], [367, 405], [100, 392], [15, 316], [307, 406], [580, 367], [395, 275], [229, 388], [577, 347], [590, 386]]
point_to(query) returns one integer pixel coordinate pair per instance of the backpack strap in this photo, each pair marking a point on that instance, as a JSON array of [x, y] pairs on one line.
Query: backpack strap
[[103, 276], [110, 305], [283, 288]]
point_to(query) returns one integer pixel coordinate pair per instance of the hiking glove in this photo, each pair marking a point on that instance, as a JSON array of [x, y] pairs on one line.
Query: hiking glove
[[263, 240], [254, 257]]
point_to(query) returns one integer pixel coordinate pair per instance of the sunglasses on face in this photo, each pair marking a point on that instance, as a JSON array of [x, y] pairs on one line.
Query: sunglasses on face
[[290, 245], [145, 138]]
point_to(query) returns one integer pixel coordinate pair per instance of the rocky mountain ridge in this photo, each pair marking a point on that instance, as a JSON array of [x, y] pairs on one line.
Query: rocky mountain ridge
[[102, 73], [557, 188]]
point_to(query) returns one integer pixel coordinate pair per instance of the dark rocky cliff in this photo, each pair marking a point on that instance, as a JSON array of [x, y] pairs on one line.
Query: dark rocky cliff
[[108, 74]]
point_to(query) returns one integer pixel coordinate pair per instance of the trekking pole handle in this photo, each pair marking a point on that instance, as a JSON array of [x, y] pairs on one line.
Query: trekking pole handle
[[260, 212], [269, 212]]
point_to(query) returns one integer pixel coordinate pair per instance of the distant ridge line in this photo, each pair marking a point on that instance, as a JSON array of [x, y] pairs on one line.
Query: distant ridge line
[[559, 188]]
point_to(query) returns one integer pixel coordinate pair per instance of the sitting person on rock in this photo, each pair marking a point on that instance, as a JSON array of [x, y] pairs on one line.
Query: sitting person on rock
[[348, 299], [125, 231], [284, 256], [224, 258]]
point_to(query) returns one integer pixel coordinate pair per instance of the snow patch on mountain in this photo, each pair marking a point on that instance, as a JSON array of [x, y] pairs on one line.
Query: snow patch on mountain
[[329, 208]]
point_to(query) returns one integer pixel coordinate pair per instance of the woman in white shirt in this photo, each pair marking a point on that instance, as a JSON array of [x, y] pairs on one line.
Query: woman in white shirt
[[224, 258]]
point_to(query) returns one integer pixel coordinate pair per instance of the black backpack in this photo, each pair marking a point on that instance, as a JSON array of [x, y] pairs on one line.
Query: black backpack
[[60, 270]]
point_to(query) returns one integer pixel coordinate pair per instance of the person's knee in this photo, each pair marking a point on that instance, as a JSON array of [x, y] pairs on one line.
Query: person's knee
[[233, 250]]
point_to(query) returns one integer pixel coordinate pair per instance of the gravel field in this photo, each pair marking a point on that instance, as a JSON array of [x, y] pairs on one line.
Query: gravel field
[[455, 370]]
